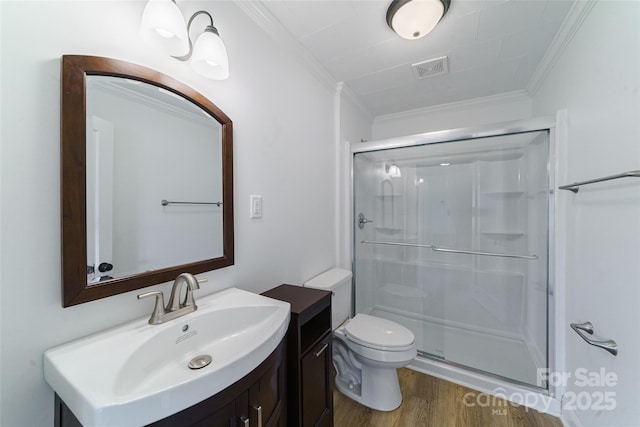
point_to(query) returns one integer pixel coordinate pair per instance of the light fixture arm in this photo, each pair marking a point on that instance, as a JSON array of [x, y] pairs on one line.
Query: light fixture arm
[[208, 28]]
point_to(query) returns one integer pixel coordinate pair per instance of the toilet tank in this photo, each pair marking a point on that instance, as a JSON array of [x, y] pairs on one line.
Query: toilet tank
[[338, 281]]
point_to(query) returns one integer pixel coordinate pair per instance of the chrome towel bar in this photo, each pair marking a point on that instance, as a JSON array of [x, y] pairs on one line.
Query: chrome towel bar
[[576, 186], [167, 202], [449, 250], [414, 245], [610, 345], [460, 251]]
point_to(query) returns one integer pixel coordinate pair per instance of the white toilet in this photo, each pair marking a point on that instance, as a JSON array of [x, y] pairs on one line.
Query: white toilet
[[367, 350]]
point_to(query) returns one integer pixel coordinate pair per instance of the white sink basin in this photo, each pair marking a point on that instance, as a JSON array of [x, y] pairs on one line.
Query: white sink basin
[[138, 373]]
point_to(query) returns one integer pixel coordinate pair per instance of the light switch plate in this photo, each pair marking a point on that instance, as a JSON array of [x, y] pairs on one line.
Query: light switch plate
[[256, 206]]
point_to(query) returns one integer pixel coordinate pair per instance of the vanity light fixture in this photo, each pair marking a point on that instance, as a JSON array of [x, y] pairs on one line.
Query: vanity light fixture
[[393, 170], [413, 19], [164, 27]]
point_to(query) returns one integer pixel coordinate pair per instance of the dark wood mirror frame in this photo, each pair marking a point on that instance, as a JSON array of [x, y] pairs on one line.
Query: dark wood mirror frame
[[75, 289]]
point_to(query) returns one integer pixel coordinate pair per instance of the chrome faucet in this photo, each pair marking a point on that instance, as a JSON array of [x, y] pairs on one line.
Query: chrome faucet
[[174, 308]]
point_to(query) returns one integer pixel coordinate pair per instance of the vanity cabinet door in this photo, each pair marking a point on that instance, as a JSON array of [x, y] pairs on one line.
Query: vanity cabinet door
[[223, 417], [317, 385], [266, 398]]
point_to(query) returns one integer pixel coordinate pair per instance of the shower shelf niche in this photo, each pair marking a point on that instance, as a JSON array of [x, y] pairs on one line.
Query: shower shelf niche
[[503, 234], [404, 291], [389, 228], [508, 274], [538, 194], [506, 194]]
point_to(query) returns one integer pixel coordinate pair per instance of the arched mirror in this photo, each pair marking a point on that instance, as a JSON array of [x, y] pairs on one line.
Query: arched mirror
[[147, 179]]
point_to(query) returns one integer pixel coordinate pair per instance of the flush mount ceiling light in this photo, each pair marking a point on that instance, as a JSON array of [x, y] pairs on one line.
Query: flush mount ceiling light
[[413, 19], [164, 27]]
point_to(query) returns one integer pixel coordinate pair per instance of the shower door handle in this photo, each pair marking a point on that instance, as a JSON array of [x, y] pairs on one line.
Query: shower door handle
[[610, 345], [362, 220]]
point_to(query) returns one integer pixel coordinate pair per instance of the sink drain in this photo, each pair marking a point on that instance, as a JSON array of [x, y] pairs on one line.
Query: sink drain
[[200, 362]]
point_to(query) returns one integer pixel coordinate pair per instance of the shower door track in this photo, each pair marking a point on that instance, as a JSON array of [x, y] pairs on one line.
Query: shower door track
[[536, 389]]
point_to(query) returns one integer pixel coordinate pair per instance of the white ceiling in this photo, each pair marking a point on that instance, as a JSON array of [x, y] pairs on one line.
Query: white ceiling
[[493, 46]]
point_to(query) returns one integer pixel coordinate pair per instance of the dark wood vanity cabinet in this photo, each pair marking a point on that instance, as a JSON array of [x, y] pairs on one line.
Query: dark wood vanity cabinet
[[309, 355], [262, 405], [316, 388], [256, 400]]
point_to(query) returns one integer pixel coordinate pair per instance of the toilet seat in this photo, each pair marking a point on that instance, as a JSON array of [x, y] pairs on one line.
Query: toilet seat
[[378, 334]]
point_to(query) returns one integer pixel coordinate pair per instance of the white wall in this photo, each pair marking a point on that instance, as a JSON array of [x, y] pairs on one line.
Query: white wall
[[283, 140], [1, 216], [473, 112], [355, 126], [597, 80]]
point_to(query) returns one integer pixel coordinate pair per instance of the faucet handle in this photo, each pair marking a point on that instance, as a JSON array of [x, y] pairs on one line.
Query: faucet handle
[[158, 308]]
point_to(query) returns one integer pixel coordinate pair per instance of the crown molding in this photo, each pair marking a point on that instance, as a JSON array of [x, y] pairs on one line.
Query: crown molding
[[350, 95], [514, 96], [570, 26], [270, 25]]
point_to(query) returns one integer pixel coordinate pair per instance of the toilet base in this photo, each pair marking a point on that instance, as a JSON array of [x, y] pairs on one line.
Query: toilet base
[[380, 388]]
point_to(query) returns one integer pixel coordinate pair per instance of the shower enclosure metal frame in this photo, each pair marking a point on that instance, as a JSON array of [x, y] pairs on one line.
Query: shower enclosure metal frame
[[547, 123]]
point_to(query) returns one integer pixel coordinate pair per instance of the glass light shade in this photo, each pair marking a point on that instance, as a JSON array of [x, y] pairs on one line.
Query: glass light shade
[[210, 56], [394, 171], [417, 18], [163, 26]]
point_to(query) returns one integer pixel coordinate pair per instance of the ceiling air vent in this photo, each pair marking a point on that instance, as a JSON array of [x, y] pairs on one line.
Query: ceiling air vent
[[431, 67]]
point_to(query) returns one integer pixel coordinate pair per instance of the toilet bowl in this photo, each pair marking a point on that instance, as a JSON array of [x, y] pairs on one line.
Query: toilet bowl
[[367, 350]]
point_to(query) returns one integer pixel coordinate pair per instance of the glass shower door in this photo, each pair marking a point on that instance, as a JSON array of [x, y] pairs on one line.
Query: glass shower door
[[388, 280], [456, 249]]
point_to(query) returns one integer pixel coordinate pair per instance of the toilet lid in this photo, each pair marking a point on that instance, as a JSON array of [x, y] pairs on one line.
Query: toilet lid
[[381, 334]]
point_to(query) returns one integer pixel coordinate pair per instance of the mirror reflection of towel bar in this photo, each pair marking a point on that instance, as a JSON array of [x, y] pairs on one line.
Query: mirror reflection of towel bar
[[167, 202]]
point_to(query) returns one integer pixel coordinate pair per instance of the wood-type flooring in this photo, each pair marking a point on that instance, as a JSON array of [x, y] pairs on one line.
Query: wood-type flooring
[[432, 402]]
